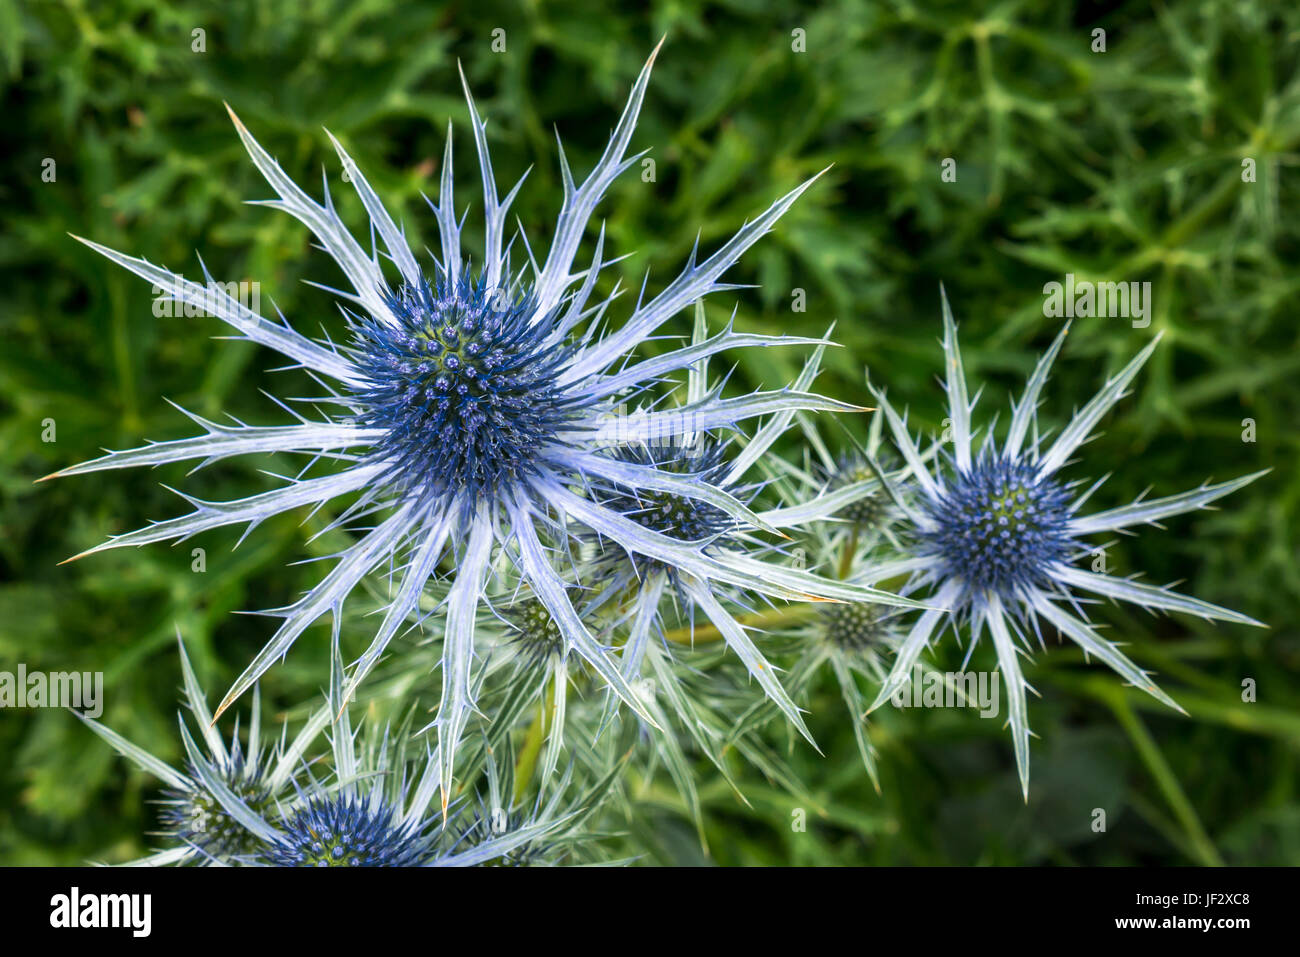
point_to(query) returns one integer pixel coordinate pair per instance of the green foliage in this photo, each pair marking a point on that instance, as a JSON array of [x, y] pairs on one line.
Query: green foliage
[[1125, 165]]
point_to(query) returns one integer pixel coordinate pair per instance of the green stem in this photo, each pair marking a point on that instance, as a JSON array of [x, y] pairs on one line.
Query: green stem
[[1201, 845], [846, 557], [533, 739], [785, 615]]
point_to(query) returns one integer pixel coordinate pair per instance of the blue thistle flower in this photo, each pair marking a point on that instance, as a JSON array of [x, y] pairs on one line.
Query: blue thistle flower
[[195, 820], [472, 413], [377, 806], [872, 511], [856, 628], [533, 631], [462, 390], [379, 811], [672, 513], [995, 533], [1000, 527], [341, 831], [192, 816], [859, 482]]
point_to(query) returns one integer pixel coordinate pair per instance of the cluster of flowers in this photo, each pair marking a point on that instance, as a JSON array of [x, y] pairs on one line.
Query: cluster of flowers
[[559, 512]]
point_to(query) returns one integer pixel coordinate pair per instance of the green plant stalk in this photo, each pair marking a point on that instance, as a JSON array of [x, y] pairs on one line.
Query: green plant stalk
[[846, 557], [786, 615], [1201, 845], [532, 747]]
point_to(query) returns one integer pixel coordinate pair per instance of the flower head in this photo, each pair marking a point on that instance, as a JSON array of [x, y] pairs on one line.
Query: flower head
[[461, 390], [675, 514], [856, 628], [995, 533], [473, 413], [196, 821], [192, 816], [375, 806], [533, 631], [343, 831], [999, 527]]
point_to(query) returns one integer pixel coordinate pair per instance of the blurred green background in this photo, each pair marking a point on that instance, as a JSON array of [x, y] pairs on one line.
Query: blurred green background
[[1124, 165]]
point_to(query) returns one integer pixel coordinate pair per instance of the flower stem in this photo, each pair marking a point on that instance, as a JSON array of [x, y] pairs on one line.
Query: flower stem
[[785, 615], [532, 747], [846, 557], [1200, 843]]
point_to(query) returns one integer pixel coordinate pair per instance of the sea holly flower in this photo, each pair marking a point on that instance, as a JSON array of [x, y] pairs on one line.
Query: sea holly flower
[[470, 411], [533, 632], [996, 532], [378, 818], [379, 809], [194, 820], [376, 806]]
